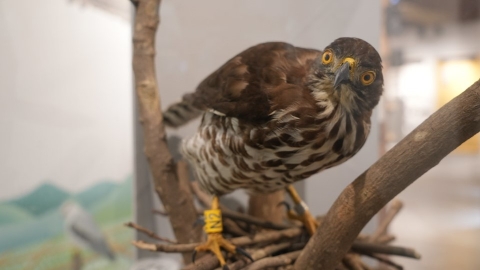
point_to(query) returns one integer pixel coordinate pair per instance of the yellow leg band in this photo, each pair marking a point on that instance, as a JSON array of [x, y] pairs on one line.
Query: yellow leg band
[[213, 221]]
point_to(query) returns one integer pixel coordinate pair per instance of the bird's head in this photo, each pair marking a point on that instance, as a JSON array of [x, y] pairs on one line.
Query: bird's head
[[353, 70]]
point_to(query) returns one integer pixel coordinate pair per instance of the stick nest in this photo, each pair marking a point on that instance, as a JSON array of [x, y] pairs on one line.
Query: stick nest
[[277, 246]]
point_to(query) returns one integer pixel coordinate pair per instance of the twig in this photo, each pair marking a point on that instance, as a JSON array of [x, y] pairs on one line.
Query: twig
[[259, 254], [264, 237], [149, 233], [385, 239], [364, 265], [364, 247], [207, 262], [395, 207], [232, 227], [281, 260], [352, 261], [179, 248], [421, 150], [384, 260]]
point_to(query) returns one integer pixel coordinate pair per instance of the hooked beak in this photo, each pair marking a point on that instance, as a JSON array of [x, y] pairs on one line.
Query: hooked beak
[[343, 74]]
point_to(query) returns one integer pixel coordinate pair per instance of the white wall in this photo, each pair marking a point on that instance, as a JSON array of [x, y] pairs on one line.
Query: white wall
[[65, 96], [449, 40]]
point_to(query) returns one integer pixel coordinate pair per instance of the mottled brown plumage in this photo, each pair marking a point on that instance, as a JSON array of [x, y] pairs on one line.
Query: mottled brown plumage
[[275, 114]]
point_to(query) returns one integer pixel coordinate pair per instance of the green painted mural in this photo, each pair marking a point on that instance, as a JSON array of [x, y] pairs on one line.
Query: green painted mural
[[33, 232]]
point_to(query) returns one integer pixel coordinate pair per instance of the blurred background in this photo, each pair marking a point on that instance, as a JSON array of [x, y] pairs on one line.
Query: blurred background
[[432, 53], [71, 149]]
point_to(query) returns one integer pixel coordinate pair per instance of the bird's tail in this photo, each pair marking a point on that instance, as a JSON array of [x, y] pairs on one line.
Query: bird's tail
[[180, 113]]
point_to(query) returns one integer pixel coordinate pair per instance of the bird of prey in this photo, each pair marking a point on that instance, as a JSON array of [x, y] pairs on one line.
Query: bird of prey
[[83, 230], [275, 114]]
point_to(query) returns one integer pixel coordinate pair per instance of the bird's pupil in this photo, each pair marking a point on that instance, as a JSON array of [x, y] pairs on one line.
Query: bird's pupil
[[327, 57], [367, 77]]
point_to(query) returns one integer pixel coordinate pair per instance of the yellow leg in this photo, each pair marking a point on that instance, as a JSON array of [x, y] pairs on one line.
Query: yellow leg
[[214, 227], [301, 212]]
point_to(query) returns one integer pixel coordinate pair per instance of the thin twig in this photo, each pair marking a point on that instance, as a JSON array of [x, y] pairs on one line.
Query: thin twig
[[233, 228], [384, 260], [385, 239], [207, 262], [281, 260], [362, 247], [364, 265], [259, 254], [352, 261], [149, 233], [395, 207]]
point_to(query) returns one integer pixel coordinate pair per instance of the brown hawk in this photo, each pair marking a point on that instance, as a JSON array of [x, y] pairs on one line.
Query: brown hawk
[[276, 114]]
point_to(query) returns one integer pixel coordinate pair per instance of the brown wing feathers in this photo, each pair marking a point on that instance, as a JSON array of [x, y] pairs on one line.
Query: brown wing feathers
[[261, 79]]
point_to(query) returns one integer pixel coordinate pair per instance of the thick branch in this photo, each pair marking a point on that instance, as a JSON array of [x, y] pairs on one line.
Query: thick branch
[[172, 194], [421, 150]]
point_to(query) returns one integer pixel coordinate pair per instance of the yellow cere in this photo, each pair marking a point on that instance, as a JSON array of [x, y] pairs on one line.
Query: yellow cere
[[351, 61]]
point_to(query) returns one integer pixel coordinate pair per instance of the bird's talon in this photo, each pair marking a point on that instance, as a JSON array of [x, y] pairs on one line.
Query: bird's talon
[[194, 255], [284, 203], [244, 253]]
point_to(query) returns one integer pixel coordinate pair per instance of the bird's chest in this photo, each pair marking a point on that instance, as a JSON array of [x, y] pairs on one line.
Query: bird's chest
[[228, 156]]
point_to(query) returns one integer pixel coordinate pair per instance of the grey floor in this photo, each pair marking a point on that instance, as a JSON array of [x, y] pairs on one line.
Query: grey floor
[[441, 216]]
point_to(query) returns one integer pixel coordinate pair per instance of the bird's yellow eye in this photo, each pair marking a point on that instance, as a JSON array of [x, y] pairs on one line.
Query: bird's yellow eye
[[327, 57], [367, 78]]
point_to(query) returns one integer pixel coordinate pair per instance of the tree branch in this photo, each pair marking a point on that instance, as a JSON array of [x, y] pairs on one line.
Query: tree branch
[[367, 248], [259, 254], [392, 212], [149, 233], [172, 194], [421, 150], [270, 236], [281, 260]]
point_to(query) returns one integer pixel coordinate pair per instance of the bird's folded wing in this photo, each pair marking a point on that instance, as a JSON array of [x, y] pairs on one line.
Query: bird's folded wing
[[256, 82]]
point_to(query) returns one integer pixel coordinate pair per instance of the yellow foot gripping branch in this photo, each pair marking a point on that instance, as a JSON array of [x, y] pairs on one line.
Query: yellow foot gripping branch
[[301, 212], [214, 227]]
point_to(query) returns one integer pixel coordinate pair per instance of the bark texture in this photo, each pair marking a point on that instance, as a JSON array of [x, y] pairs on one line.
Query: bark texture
[[176, 199], [266, 206]]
